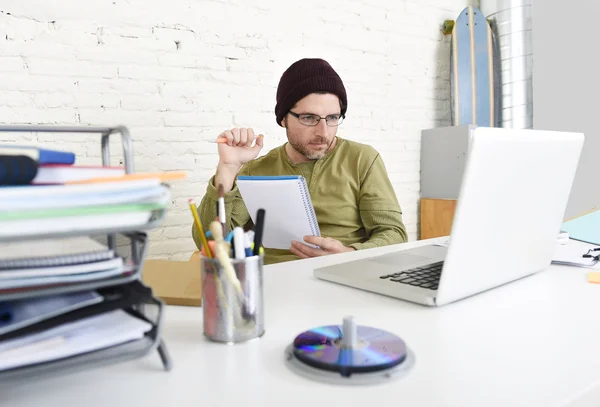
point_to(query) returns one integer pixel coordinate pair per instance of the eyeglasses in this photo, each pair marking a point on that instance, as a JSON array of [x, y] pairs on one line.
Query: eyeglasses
[[308, 119]]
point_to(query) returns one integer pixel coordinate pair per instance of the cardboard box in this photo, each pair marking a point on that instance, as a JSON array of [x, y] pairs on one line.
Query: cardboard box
[[174, 282]]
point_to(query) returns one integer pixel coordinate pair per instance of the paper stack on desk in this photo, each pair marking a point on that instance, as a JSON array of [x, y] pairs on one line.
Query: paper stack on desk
[[36, 210], [84, 335]]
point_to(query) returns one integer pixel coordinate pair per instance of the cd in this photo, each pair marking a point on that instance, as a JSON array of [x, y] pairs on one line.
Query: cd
[[375, 350]]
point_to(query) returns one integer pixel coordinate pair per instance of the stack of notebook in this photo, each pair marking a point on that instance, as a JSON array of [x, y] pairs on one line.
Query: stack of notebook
[[67, 297]]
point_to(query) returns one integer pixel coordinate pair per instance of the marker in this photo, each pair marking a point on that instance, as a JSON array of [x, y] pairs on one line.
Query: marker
[[247, 245], [221, 202], [258, 231], [238, 241]]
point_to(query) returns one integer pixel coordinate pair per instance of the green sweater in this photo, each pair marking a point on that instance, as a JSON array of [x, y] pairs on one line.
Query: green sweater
[[350, 190]]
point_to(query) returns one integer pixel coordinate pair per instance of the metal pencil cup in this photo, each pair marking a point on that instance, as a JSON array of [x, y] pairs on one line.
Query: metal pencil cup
[[233, 312]]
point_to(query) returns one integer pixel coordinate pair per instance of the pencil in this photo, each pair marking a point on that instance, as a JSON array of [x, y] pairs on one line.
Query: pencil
[[200, 229], [221, 140]]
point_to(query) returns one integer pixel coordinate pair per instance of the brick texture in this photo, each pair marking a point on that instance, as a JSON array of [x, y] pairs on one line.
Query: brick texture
[[178, 73]]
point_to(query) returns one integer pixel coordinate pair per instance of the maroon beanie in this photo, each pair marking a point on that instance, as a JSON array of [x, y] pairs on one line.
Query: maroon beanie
[[304, 77]]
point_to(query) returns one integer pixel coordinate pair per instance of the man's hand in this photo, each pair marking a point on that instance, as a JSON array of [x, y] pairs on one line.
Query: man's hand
[[327, 246], [237, 151]]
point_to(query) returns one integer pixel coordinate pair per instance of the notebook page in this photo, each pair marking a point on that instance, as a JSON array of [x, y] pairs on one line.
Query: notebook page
[[286, 217]]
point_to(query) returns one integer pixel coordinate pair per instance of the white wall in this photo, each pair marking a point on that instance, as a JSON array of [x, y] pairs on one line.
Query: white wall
[[179, 72], [566, 86]]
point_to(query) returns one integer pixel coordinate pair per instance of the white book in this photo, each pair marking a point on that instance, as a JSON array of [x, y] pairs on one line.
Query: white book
[[74, 224], [21, 198]]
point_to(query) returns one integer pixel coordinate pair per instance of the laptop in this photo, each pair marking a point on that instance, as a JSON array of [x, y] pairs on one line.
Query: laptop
[[512, 199]]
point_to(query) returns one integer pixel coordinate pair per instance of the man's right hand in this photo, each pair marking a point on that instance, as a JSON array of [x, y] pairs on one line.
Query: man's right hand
[[237, 151]]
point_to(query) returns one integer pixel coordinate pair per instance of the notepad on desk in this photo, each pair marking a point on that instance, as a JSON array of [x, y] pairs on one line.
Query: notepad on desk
[[289, 213]]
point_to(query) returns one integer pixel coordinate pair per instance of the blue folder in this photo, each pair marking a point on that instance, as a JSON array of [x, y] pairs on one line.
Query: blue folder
[[585, 228], [41, 155]]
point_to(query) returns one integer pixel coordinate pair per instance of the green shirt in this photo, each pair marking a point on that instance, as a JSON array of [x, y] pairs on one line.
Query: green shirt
[[351, 192]]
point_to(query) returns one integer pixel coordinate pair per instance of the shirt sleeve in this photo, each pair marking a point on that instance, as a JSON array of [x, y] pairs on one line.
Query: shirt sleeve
[[235, 209], [380, 211]]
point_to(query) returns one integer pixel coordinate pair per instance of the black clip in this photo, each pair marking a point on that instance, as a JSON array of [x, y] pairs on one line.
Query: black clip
[[588, 255]]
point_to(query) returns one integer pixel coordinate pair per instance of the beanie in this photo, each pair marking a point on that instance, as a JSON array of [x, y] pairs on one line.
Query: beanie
[[303, 77]]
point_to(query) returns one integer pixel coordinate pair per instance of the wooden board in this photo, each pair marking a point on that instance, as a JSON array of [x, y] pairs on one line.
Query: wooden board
[[474, 71], [436, 217], [174, 282]]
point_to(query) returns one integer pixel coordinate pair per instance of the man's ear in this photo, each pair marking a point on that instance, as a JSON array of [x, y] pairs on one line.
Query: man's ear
[[284, 122]]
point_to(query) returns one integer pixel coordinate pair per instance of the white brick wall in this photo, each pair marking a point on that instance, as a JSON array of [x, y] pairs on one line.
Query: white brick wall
[[177, 73]]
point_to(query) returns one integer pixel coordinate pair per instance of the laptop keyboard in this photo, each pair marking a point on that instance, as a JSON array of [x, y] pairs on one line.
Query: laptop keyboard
[[425, 276]]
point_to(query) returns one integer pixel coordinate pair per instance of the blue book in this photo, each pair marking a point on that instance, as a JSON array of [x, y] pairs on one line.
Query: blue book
[[41, 155]]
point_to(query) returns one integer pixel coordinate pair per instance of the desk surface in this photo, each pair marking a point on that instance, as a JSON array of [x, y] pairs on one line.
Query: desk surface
[[530, 343]]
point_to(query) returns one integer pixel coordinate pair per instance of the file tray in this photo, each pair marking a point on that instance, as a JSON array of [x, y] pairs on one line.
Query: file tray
[[115, 354], [139, 242]]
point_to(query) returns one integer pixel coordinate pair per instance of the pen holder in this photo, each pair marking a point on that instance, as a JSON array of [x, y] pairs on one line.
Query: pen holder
[[233, 312]]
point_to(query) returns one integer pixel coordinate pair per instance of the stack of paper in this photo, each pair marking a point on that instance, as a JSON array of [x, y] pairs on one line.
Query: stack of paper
[[81, 336], [26, 312], [572, 255], [37, 210]]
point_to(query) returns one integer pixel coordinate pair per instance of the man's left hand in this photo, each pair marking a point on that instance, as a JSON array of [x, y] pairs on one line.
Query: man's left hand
[[327, 246]]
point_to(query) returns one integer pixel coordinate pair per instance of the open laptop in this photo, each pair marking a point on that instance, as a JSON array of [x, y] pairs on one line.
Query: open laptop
[[513, 196]]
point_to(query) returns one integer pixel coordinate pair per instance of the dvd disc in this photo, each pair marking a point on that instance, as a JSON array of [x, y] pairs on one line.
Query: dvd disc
[[374, 351]]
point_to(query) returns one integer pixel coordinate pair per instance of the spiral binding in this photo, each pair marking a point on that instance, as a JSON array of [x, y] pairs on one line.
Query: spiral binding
[[308, 206]]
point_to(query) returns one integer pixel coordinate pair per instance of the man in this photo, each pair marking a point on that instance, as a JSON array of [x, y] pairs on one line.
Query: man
[[353, 198]]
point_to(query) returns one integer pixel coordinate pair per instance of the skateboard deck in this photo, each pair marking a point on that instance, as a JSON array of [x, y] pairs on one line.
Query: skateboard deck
[[474, 70]]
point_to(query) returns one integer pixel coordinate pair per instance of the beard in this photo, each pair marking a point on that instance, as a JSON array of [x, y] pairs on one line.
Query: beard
[[306, 149]]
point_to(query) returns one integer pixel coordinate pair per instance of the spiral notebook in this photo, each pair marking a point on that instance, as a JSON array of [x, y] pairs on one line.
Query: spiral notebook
[[289, 213]]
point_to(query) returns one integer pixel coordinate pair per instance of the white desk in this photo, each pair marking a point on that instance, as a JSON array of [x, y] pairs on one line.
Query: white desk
[[530, 343]]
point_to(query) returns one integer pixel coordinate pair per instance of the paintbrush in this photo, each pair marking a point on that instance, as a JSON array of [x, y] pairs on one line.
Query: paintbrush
[[222, 255]]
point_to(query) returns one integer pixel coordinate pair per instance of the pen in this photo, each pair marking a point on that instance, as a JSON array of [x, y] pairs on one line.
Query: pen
[[258, 231], [200, 229], [238, 242]]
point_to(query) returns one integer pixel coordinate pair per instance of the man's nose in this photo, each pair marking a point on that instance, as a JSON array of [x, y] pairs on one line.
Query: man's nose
[[321, 127]]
